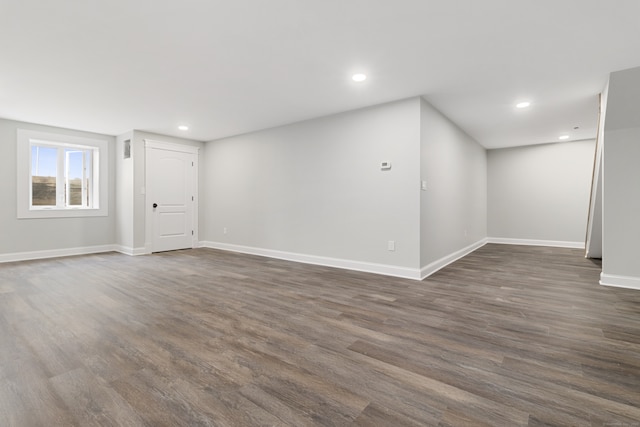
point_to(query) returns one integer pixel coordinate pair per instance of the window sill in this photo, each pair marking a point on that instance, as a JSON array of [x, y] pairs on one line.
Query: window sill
[[61, 213]]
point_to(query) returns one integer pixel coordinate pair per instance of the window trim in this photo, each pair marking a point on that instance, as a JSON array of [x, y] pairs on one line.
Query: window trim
[[24, 209]]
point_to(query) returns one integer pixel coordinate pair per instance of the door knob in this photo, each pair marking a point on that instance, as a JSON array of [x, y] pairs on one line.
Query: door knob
[[155, 205]]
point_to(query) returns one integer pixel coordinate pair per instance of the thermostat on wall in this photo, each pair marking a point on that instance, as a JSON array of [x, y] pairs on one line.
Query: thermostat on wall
[[385, 166]]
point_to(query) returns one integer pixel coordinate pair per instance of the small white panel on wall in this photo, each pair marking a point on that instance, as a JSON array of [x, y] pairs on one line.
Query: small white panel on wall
[[385, 166]]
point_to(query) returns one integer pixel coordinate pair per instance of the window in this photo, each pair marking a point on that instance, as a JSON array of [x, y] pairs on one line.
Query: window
[[60, 175]]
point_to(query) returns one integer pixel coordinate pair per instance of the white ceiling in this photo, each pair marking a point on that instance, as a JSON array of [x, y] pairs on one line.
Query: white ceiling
[[235, 66]]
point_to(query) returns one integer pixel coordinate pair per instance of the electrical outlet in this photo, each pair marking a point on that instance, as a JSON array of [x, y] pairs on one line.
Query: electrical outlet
[[224, 230], [391, 245]]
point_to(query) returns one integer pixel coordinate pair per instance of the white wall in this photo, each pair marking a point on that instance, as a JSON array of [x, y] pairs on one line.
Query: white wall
[[19, 236], [316, 188], [621, 196], [540, 193], [124, 195], [621, 182], [454, 205]]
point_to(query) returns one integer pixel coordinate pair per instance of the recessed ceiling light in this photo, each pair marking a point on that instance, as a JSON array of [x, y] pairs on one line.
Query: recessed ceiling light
[[523, 104], [563, 137], [359, 77], [183, 127]]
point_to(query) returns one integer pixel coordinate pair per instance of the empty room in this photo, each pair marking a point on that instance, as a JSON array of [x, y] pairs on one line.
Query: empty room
[[319, 213]]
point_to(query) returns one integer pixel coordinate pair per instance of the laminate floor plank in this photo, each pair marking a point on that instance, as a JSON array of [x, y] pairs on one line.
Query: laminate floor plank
[[91, 403], [26, 396], [378, 416], [506, 336]]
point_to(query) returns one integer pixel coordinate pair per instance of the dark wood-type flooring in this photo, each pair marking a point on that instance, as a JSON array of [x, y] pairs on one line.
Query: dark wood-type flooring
[[507, 336]]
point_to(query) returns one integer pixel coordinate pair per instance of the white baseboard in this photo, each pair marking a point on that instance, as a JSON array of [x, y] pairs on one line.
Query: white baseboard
[[530, 242], [54, 253], [129, 250], [428, 270], [620, 281], [387, 270]]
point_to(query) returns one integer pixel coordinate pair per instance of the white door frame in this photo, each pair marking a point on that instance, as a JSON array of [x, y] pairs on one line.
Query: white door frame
[[150, 144]]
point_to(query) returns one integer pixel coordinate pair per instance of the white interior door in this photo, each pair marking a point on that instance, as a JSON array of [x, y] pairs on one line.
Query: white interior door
[[171, 186]]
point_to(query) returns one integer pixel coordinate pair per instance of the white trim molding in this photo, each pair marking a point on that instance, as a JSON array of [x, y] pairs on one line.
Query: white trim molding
[[367, 267], [170, 146], [130, 251], [55, 253], [529, 242], [620, 281], [428, 270]]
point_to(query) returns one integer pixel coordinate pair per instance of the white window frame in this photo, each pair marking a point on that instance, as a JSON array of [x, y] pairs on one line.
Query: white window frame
[[87, 191], [100, 178]]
